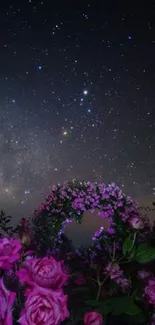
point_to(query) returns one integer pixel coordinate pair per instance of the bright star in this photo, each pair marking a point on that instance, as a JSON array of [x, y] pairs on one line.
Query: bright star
[[85, 92], [27, 192]]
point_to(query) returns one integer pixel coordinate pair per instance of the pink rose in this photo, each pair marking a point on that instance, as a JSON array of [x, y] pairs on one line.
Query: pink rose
[[46, 272], [93, 318], [150, 292], [136, 222], [6, 302], [9, 252], [44, 306]]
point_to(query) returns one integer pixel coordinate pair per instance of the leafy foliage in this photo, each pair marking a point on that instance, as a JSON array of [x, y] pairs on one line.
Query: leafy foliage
[[105, 276], [5, 227]]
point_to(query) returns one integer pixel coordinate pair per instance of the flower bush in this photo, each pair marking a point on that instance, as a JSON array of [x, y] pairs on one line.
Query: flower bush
[[45, 280]]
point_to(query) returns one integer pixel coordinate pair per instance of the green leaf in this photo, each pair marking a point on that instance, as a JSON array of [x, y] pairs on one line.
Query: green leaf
[[145, 253], [127, 245], [119, 306], [136, 320], [93, 303], [99, 306], [131, 254]]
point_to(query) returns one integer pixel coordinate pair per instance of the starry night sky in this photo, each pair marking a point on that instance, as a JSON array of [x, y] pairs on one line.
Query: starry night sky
[[77, 98]]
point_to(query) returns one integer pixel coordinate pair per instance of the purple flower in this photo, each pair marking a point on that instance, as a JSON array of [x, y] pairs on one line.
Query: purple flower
[[124, 283], [136, 222], [113, 270], [144, 274], [150, 292], [115, 274]]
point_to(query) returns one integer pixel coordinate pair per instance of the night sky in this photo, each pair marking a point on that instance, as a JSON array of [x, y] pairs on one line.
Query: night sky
[[77, 97]]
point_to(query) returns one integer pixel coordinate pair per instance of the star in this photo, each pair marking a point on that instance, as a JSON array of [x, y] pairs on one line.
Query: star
[[79, 97], [26, 192], [85, 92]]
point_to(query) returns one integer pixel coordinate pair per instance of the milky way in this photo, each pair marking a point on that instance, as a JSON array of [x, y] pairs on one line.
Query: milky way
[[76, 98]]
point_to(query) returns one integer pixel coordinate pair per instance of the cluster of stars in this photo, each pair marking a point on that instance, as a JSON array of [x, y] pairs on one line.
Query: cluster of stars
[[77, 99]]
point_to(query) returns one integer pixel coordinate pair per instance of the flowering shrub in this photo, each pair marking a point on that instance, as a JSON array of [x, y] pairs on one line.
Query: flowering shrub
[[70, 200], [111, 282]]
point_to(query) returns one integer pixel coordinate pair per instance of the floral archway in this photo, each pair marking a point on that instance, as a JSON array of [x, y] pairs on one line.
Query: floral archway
[[70, 200]]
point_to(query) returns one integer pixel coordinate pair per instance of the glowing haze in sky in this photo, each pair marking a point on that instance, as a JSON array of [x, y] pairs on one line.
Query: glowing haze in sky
[[76, 98]]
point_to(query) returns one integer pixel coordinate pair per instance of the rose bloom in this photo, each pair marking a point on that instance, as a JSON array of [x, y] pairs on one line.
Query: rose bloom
[[44, 306], [7, 299], [93, 318], [136, 222], [46, 272], [9, 252], [150, 292]]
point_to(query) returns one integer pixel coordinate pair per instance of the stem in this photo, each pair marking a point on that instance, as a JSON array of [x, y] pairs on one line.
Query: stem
[[134, 293], [128, 261], [98, 292], [18, 292], [107, 247], [134, 239], [113, 253], [90, 278], [100, 284]]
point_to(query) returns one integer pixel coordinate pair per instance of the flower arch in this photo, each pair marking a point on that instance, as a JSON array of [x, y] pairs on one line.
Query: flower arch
[[70, 200]]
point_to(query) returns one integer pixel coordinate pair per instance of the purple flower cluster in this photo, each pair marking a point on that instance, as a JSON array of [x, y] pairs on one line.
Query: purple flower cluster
[[82, 196], [116, 275], [71, 200], [150, 291]]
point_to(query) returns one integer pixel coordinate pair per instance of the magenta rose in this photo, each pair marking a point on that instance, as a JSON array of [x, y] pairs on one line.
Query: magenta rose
[[136, 222], [9, 252], [150, 292], [7, 299], [93, 318], [44, 306], [46, 272]]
